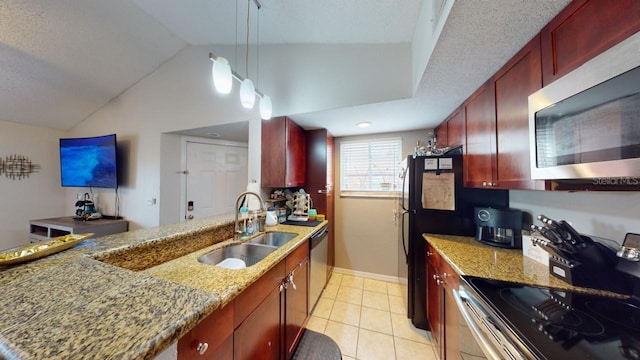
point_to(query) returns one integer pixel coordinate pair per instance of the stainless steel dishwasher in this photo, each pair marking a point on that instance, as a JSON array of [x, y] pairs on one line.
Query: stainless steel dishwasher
[[318, 271]]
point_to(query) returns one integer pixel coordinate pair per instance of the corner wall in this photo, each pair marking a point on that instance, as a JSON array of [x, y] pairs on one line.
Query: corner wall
[[38, 196], [366, 232]]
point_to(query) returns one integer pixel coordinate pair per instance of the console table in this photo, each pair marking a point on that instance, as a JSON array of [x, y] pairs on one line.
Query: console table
[[44, 229]]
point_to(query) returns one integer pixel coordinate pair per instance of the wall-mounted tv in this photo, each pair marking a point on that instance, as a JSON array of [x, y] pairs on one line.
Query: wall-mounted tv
[[89, 162]]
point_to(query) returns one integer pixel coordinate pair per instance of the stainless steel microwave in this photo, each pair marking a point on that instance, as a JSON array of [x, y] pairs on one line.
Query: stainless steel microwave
[[587, 123]]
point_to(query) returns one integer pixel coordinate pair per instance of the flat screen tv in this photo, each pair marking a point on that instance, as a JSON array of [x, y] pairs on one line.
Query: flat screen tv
[[89, 162]]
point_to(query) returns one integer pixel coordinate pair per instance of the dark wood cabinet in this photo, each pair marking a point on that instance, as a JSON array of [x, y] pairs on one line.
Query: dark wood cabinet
[[442, 310], [435, 305], [584, 29], [296, 298], [258, 337], [480, 141], [451, 131], [519, 78], [283, 153], [441, 134], [320, 181]]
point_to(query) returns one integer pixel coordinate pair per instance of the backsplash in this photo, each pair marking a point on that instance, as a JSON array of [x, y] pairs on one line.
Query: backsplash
[[609, 215]]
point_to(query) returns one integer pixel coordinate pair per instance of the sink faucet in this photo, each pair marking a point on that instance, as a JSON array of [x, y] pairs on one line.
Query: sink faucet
[[238, 232]]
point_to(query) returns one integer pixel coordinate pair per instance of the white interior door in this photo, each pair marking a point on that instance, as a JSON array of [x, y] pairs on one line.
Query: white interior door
[[216, 175]]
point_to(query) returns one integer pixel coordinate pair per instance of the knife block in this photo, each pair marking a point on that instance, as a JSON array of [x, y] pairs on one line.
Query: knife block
[[593, 267]]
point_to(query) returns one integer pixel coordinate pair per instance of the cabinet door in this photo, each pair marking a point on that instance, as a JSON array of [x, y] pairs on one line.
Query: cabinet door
[[479, 155], [211, 339], [450, 317], [435, 307], [455, 128], [296, 306], [295, 155], [518, 79], [584, 29], [273, 152], [441, 134], [258, 337], [320, 180]]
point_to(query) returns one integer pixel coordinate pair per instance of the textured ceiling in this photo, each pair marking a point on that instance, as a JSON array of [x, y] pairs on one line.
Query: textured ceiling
[[62, 60]]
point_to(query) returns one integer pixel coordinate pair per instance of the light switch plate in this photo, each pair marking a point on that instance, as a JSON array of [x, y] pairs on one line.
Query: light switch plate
[[534, 252]]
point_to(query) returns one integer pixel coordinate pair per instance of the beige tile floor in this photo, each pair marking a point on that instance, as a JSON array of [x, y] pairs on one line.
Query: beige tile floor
[[367, 319]]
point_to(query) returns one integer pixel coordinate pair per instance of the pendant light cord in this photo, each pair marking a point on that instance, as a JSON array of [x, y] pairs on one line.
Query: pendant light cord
[[246, 63]]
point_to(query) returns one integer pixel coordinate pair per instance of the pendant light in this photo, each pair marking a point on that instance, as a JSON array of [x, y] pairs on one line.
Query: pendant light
[[247, 94], [221, 74], [266, 108]]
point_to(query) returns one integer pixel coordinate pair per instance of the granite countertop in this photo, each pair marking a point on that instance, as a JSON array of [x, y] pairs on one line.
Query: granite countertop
[[470, 257], [123, 296]]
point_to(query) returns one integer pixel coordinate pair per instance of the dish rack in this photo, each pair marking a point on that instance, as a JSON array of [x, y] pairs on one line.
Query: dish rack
[[301, 206]]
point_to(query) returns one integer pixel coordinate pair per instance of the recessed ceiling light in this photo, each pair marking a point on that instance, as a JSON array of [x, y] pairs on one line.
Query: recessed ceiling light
[[363, 124]]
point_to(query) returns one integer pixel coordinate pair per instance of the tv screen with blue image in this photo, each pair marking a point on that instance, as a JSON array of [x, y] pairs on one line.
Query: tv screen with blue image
[[89, 162]]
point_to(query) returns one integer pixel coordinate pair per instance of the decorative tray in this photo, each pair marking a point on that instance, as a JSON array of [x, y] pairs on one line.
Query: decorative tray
[[40, 249]]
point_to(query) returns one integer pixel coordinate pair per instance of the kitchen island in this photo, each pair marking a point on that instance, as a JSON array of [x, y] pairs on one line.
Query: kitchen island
[[124, 296]]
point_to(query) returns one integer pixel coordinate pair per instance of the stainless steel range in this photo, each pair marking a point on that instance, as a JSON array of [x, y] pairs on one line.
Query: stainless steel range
[[515, 321]]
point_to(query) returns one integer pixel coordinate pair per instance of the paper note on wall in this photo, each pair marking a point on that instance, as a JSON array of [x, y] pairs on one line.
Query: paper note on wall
[[438, 191]]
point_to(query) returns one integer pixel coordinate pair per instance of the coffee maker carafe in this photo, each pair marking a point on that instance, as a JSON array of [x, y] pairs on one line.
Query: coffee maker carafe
[[499, 227]]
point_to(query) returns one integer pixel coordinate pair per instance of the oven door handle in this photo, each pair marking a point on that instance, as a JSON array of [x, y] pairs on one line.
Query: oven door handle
[[485, 344]]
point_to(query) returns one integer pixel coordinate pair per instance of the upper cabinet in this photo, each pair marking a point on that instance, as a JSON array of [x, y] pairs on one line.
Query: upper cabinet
[[451, 131], [513, 84], [283, 153], [480, 149], [493, 121], [584, 29]]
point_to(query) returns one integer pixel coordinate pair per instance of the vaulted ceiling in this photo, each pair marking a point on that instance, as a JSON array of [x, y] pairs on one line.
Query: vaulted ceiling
[[62, 60]]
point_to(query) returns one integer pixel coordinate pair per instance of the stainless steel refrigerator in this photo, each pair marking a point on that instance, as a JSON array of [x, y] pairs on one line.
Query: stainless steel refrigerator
[[434, 200]]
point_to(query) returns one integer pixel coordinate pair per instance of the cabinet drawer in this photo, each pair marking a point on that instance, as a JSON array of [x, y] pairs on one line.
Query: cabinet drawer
[[216, 331], [250, 298], [297, 256]]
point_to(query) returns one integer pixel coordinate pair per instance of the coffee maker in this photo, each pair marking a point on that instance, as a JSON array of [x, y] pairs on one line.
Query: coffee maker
[[499, 227]]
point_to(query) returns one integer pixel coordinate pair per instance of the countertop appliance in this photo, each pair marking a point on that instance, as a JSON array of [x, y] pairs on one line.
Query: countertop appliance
[[513, 321], [434, 200], [584, 125], [499, 227], [318, 264]]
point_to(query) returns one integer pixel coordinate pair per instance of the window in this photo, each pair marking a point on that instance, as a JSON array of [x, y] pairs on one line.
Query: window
[[370, 167]]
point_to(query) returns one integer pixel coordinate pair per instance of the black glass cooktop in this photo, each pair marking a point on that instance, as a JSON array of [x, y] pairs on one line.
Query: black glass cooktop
[[565, 325]]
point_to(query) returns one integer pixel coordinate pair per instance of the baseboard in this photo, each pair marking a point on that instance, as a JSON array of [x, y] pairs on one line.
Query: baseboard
[[368, 275]]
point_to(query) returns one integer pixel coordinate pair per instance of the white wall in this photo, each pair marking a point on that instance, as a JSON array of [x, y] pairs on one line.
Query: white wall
[[605, 214], [366, 233], [426, 35], [38, 196], [179, 95]]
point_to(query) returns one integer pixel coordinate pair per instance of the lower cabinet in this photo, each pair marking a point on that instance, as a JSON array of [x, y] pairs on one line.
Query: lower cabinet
[[258, 337], [265, 321], [441, 305]]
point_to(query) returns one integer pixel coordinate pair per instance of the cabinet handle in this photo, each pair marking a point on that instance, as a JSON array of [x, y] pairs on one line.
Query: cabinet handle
[[445, 275], [323, 191], [436, 277], [439, 282], [291, 281], [202, 348]]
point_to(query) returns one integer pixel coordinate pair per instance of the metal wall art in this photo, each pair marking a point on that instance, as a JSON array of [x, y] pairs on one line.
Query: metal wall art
[[17, 167]]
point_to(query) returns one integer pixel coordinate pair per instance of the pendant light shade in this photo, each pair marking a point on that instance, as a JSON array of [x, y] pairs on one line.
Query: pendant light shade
[[247, 94], [221, 74], [266, 107]]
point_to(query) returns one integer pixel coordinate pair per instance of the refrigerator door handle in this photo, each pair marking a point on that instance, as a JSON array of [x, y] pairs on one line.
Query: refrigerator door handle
[[404, 241]]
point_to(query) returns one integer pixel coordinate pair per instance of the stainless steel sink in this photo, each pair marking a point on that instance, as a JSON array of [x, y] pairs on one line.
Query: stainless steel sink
[[249, 253], [274, 238]]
